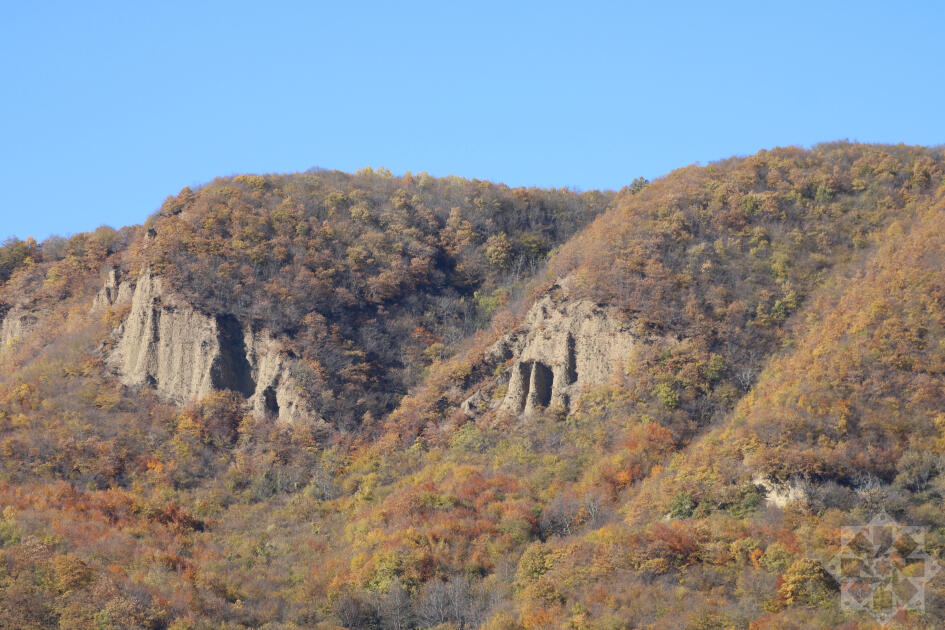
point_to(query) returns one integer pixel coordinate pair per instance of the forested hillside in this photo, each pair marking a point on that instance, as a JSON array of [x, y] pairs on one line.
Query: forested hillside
[[784, 376], [368, 277]]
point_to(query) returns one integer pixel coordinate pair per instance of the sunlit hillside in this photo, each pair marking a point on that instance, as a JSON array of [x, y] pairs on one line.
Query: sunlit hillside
[[510, 408]]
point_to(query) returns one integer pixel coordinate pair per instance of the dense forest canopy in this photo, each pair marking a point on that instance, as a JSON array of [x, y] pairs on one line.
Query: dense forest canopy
[[369, 276], [789, 311]]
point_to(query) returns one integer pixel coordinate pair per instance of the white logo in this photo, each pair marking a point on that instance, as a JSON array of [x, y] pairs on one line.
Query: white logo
[[882, 568]]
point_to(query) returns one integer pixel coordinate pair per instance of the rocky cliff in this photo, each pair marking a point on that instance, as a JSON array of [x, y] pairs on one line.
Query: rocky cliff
[[115, 291], [275, 393], [562, 346], [14, 325], [184, 354]]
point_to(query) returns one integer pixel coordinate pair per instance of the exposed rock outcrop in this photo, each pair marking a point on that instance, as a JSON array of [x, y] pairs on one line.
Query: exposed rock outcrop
[[781, 494], [14, 325], [275, 394], [115, 291], [475, 404], [562, 346], [170, 346], [185, 354]]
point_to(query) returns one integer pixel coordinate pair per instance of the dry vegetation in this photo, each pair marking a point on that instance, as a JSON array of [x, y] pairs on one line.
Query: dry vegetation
[[800, 296]]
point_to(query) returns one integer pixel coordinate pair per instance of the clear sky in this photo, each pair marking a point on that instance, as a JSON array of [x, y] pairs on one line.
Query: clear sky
[[107, 108]]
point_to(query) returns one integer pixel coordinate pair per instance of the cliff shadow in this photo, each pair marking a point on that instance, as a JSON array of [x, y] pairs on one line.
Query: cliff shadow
[[231, 369]]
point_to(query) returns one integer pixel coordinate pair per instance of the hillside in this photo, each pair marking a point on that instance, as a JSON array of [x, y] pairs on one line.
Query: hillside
[[368, 401], [362, 280]]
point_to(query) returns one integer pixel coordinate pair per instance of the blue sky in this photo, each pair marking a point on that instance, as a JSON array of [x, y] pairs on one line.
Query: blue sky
[[107, 108]]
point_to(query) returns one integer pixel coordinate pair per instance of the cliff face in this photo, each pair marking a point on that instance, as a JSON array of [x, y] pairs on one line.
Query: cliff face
[[115, 291], [561, 349], [14, 325], [171, 347], [185, 354], [562, 346], [275, 393]]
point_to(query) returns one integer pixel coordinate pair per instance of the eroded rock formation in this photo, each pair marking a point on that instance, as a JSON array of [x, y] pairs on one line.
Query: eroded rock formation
[[561, 348], [185, 354], [115, 291], [783, 493], [275, 394], [14, 325], [169, 346]]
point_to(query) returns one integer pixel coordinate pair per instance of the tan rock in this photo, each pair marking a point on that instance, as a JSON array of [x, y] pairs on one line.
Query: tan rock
[[561, 347], [185, 354], [115, 291], [275, 395], [781, 494], [170, 346], [15, 325]]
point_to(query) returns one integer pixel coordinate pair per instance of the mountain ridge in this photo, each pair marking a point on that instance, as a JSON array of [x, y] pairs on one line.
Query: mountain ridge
[[659, 420]]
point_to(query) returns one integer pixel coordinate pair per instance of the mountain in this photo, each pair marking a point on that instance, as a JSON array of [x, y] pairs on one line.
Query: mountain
[[371, 401]]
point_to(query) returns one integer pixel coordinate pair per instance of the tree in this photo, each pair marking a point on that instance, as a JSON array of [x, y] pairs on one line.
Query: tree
[[638, 184], [13, 253], [499, 251], [806, 582]]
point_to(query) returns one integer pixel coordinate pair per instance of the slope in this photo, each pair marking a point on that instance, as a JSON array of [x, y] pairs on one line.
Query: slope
[[638, 490]]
